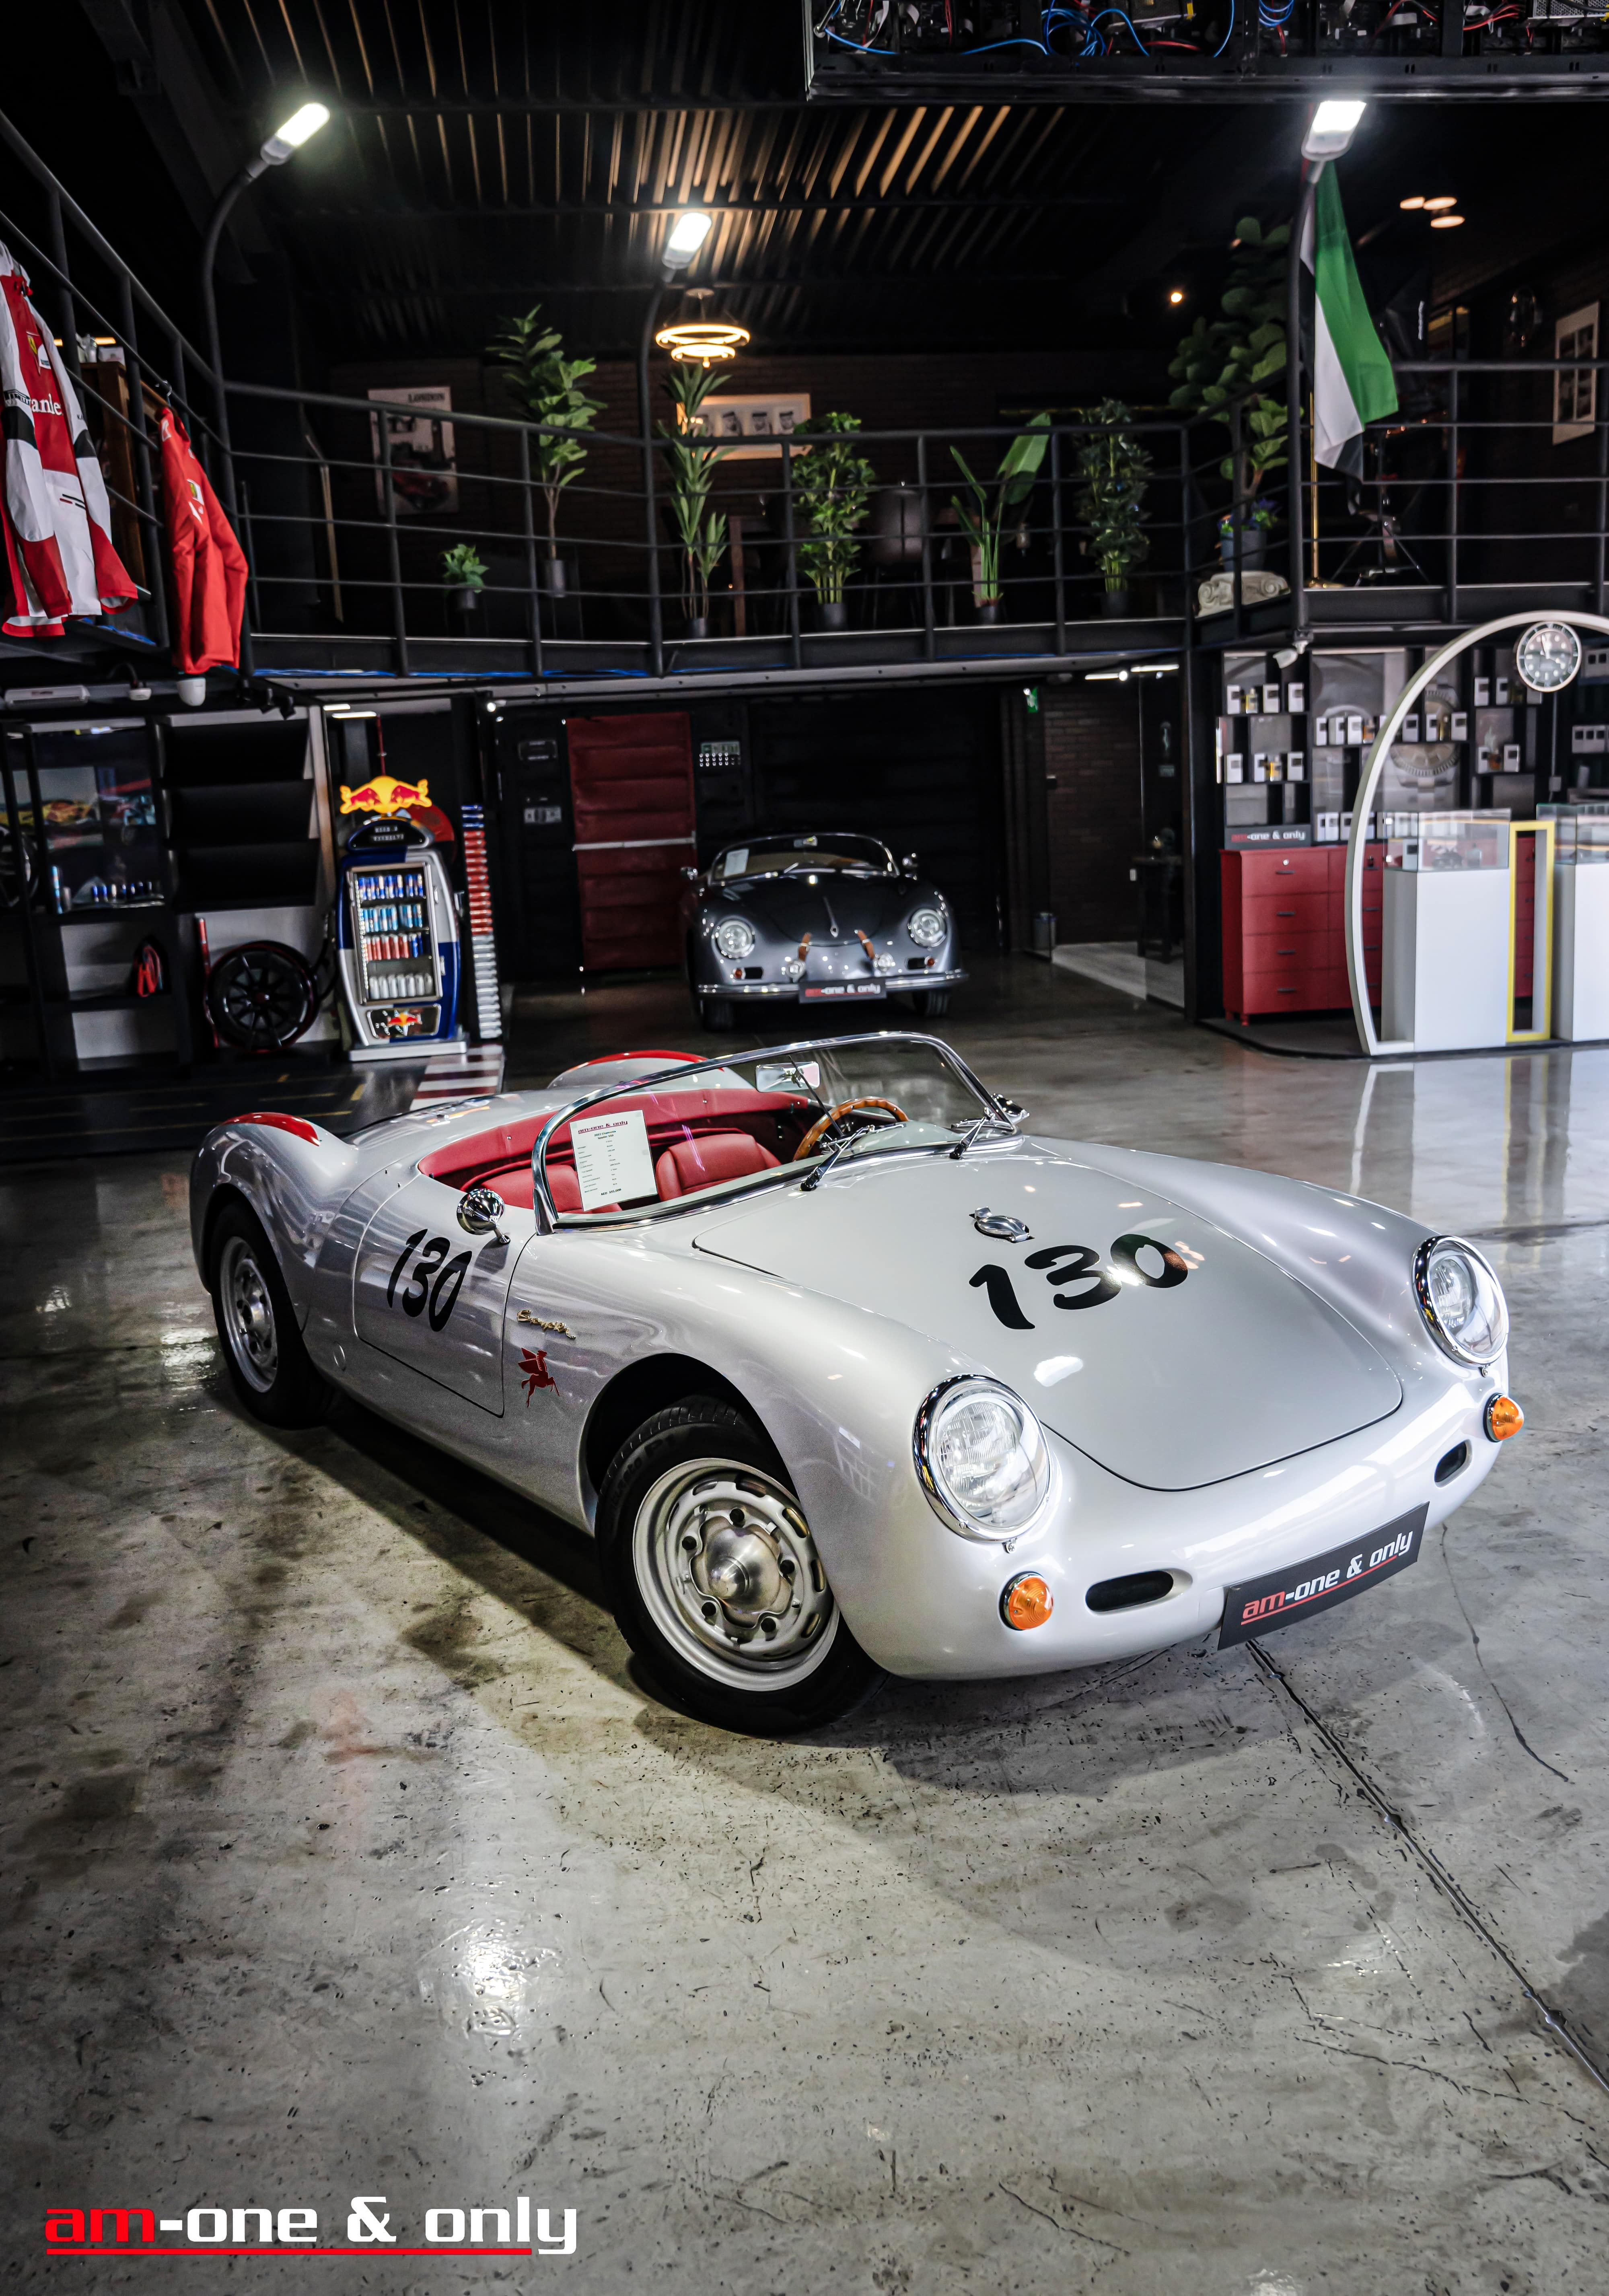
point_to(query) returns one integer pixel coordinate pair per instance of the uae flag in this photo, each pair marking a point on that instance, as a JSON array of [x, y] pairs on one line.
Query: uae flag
[[1353, 378]]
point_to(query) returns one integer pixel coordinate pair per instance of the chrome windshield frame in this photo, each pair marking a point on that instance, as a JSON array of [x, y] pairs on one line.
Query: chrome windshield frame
[[801, 857], [549, 1218]]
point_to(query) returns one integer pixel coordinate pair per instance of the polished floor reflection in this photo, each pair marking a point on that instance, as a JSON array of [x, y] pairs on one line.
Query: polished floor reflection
[[344, 1853]]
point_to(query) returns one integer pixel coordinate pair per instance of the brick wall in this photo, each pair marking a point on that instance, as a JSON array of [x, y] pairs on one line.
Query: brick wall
[[1090, 734]]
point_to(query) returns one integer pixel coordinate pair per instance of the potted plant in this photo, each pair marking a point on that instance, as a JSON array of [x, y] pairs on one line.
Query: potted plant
[[547, 387], [1258, 520], [833, 489], [983, 517], [463, 571], [1116, 471], [691, 457], [1239, 353]]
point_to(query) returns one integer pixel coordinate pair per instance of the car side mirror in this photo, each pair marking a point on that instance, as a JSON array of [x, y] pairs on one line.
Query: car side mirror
[[480, 1211], [691, 875], [909, 864]]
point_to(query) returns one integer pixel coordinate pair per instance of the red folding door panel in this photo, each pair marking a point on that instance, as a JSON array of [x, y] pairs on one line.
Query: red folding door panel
[[631, 780]]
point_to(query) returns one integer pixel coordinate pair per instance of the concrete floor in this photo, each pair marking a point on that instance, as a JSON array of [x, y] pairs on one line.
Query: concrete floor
[[345, 1856]]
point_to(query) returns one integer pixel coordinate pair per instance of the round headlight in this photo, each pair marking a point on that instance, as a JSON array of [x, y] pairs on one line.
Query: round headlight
[[1461, 1300], [926, 928], [734, 938], [982, 1457]]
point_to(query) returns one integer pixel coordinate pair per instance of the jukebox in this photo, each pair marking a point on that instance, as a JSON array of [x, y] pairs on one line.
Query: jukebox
[[397, 937]]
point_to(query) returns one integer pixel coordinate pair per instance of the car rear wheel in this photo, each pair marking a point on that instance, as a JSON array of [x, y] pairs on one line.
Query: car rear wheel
[[717, 1014], [715, 1579], [272, 1372]]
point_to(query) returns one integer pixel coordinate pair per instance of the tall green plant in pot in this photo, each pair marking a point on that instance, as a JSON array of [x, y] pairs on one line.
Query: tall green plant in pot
[[691, 459], [1116, 471], [547, 387], [832, 491], [1242, 354], [983, 517]]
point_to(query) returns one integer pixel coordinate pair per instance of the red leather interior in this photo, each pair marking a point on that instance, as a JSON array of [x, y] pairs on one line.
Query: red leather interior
[[697, 1137], [688, 1165]]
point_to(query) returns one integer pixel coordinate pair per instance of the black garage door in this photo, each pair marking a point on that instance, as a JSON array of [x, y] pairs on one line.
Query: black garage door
[[919, 770]]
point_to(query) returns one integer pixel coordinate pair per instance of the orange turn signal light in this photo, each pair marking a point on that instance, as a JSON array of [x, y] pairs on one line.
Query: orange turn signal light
[[1027, 1601], [1504, 1418]]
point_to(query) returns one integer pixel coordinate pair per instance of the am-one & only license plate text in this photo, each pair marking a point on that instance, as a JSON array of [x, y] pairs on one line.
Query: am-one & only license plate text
[[257, 2231]]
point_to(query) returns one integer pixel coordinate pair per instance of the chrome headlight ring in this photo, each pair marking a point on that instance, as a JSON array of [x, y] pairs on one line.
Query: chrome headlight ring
[[926, 927], [1489, 1307], [734, 939], [1015, 1512]]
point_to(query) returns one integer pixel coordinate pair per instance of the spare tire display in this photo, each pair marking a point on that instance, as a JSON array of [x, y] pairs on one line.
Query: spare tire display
[[261, 996]]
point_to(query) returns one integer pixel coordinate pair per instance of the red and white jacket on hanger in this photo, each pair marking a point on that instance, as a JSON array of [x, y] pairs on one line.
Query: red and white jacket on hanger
[[56, 517], [209, 565]]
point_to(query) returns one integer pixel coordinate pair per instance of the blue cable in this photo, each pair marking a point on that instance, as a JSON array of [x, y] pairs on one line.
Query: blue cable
[[1103, 13], [1228, 37], [860, 46]]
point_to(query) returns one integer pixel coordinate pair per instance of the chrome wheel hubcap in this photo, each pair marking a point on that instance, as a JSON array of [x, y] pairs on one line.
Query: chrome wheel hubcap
[[730, 1575], [248, 1315]]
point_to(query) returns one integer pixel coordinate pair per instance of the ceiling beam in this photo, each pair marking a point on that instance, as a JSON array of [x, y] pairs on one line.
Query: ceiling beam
[[344, 290], [896, 203]]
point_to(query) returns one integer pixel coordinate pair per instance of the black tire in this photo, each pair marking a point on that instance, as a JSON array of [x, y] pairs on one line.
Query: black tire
[[271, 1370], [930, 1004], [688, 1474], [717, 1015], [261, 996]]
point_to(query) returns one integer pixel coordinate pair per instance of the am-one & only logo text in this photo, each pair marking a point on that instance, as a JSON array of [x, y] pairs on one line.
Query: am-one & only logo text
[[370, 2228]]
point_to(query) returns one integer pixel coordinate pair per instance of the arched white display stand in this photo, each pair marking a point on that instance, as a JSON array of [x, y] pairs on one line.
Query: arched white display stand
[[1363, 805]]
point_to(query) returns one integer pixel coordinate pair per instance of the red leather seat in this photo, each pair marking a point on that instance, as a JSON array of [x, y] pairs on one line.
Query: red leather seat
[[693, 1164]]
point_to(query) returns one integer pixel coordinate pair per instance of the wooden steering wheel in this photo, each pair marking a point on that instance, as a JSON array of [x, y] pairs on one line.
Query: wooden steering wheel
[[895, 1115]]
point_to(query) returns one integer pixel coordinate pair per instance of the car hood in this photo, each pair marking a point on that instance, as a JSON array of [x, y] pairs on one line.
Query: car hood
[[1234, 1365], [791, 908]]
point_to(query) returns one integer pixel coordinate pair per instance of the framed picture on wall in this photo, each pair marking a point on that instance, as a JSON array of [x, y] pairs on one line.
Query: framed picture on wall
[[424, 468], [760, 423]]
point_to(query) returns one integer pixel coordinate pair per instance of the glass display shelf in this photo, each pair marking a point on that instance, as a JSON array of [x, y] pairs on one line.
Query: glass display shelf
[[96, 839], [1440, 843]]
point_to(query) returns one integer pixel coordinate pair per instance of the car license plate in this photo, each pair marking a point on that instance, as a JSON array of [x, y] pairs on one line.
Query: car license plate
[[1305, 1588], [823, 988]]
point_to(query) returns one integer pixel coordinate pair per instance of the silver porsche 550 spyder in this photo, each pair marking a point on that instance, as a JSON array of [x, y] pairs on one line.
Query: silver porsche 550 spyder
[[828, 918], [847, 1372]]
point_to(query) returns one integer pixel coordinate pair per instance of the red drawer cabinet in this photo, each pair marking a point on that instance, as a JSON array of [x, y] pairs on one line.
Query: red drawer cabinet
[[1285, 929]]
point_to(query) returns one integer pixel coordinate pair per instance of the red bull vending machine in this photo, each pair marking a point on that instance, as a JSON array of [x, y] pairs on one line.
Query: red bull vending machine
[[397, 936]]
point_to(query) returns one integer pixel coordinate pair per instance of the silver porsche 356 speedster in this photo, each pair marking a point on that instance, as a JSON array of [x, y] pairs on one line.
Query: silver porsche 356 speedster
[[828, 918], [850, 1373]]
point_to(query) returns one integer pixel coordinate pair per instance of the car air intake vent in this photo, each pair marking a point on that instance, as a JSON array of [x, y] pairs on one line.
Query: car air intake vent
[[1453, 1463], [1129, 1594]]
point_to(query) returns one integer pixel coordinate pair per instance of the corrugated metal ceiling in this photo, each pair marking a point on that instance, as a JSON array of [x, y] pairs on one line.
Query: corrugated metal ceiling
[[485, 154]]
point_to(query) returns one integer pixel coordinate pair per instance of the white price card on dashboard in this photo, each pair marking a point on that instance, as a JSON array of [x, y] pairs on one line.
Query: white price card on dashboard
[[613, 1160]]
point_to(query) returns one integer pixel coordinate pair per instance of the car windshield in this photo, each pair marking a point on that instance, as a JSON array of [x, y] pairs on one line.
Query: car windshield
[[715, 1128], [774, 857]]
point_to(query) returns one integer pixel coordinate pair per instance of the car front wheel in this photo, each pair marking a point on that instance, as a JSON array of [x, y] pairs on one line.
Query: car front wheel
[[272, 1372], [716, 1580], [717, 1014]]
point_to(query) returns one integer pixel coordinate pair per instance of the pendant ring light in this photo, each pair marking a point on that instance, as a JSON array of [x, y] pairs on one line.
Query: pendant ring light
[[700, 339], [1363, 803]]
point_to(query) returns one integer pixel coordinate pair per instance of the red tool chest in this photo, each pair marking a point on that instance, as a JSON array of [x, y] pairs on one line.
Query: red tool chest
[[1284, 937]]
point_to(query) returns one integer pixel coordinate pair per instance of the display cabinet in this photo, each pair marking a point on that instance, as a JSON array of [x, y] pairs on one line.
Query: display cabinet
[[1447, 976], [92, 944], [1581, 932]]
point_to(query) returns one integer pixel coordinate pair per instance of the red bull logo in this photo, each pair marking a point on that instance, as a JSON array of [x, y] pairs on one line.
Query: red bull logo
[[385, 796], [402, 1020]]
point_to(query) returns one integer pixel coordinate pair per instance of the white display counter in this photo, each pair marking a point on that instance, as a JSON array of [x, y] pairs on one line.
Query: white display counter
[[1445, 973], [1580, 951]]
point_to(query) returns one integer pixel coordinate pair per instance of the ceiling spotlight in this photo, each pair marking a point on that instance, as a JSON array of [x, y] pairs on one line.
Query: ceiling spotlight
[[688, 233], [1416, 202], [1332, 128], [1445, 223], [295, 133], [1176, 294], [1439, 206]]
